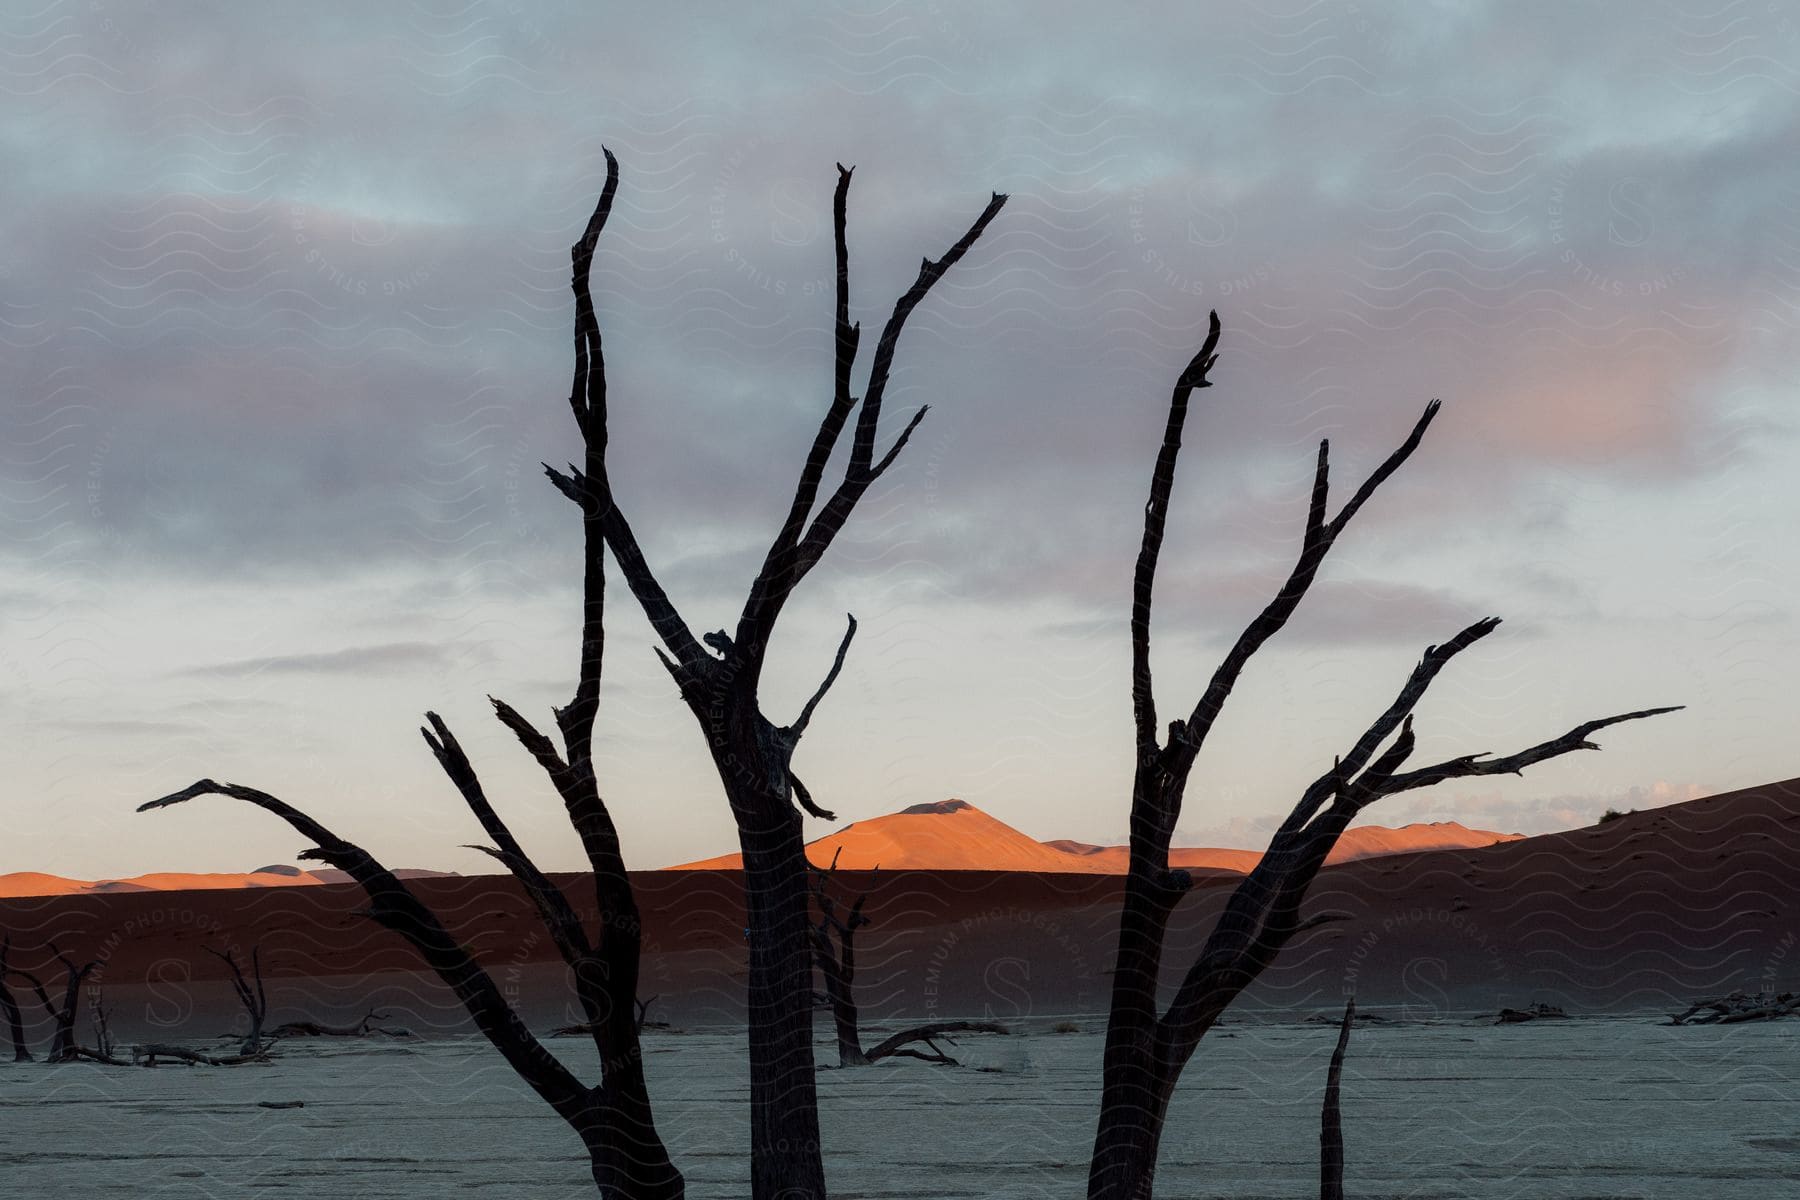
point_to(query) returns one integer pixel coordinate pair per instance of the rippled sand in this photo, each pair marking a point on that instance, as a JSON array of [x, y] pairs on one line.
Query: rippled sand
[[1579, 1109]]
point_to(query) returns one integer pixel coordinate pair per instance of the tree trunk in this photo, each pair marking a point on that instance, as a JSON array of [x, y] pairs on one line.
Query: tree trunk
[[784, 1109], [627, 1152], [15, 1023], [9, 1004], [1331, 1117], [628, 1159], [844, 1013], [837, 963], [62, 1045], [1136, 1081]]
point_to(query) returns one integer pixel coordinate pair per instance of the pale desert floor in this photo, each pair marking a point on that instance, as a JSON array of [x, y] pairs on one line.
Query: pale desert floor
[[1580, 1110]]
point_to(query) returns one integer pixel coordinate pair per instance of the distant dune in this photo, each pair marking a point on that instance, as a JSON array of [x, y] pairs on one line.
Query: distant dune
[[954, 835], [36, 883], [949, 835], [1644, 914]]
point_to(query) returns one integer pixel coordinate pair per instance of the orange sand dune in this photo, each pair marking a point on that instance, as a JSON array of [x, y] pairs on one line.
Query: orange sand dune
[[35, 883], [22, 884], [954, 835], [951, 835]]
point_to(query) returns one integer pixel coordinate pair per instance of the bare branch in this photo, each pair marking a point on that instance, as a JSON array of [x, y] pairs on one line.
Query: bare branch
[[862, 450], [805, 799], [552, 904], [831, 426], [799, 726], [592, 489], [794, 553], [587, 396], [1262, 915], [1512, 764], [1156, 516], [587, 813], [1334, 781], [394, 905], [1392, 463], [887, 460], [536, 744], [1312, 554]]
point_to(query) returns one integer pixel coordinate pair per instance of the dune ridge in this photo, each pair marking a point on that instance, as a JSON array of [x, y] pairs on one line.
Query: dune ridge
[[954, 835]]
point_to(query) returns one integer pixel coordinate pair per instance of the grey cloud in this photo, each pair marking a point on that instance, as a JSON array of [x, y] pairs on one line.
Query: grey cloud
[[130, 727], [358, 660]]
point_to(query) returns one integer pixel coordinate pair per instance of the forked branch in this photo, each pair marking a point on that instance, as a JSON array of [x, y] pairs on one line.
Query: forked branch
[[798, 546], [552, 904], [1320, 536]]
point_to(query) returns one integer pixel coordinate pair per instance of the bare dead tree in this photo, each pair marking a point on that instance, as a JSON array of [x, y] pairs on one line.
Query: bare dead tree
[[63, 1046], [103, 1038], [718, 675], [9, 1005], [1146, 1049], [250, 993], [613, 1118], [1331, 1117], [834, 950]]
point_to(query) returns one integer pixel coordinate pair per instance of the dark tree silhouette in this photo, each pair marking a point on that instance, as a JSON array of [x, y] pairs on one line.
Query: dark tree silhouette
[[1146, 1049], [613, 1118], [9, 1006], [63, 1046], [834, 949], [718, 676], [1331, 1116], [250, 994]]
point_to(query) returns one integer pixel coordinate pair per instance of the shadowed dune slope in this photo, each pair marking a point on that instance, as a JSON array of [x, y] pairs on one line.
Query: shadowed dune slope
[[1643, 913]]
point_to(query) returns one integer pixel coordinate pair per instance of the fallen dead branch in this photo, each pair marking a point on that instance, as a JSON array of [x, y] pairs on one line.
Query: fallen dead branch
[[362, 1028], [1738, 1007], [897, 1046], [150, 1054]]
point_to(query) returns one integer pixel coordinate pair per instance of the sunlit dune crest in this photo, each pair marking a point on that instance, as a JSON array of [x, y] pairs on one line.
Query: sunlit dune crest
[[36, 883], [954, 835]]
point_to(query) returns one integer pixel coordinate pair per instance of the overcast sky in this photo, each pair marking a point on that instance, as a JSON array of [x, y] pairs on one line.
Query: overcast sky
[[284, 297]]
